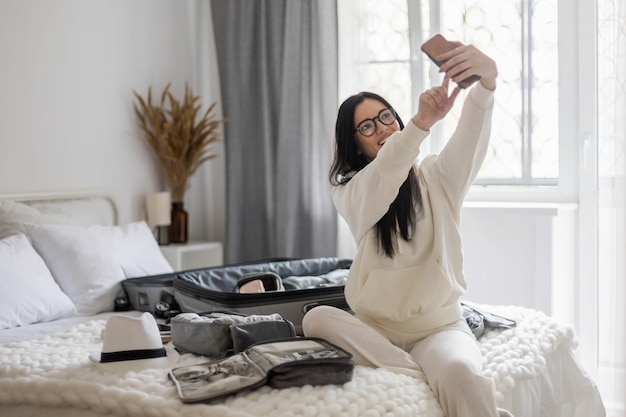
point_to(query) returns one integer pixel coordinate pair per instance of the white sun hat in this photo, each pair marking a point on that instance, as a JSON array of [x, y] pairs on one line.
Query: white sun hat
[[133, 344]]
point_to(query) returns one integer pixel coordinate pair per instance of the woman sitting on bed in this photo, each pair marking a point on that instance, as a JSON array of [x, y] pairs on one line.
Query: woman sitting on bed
[[406, 280]]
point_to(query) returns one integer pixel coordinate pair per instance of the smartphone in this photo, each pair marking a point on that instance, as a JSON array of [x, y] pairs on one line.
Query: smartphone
[[438, 45]]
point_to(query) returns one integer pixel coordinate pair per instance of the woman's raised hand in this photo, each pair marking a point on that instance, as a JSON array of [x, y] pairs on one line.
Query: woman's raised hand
[[434, 104], [464, 61]]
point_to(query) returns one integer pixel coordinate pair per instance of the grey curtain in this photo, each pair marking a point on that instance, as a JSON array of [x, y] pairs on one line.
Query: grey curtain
[[278, 73]]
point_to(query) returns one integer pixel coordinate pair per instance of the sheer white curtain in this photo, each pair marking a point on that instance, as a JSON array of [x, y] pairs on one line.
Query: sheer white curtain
[[350, 49], [612, 198], [374, 55], [207, 201]]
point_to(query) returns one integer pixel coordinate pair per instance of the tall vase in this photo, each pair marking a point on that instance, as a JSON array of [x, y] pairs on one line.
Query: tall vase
[[179, 226]]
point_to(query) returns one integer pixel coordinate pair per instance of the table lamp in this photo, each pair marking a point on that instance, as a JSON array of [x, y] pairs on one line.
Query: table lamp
[[159, 215]]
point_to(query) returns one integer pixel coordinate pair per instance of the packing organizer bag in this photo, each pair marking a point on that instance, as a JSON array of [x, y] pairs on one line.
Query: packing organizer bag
[[218, 334], [279, 363]]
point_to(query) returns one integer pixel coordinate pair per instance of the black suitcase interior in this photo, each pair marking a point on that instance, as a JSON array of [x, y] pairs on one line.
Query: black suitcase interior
[[307, 283]]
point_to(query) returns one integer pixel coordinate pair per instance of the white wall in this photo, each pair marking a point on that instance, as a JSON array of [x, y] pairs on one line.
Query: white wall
[[67, 72], [521, 254]]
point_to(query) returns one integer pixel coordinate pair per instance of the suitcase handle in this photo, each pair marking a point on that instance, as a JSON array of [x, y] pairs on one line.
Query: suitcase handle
[[333, 302]]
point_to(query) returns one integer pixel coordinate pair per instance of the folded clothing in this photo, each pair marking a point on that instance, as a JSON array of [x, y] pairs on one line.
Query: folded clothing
[[219, 334], [334, 278]]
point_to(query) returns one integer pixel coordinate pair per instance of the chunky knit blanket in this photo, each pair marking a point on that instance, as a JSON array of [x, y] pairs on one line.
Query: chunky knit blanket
[[55, 371]]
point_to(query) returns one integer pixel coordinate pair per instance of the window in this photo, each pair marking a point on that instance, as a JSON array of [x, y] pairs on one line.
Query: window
[[520, 35]]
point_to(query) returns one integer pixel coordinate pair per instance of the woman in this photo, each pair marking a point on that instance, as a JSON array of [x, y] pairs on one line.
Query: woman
[[406, 279]]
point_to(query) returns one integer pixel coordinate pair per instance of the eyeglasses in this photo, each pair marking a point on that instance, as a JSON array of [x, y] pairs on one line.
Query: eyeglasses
[[368, 126]]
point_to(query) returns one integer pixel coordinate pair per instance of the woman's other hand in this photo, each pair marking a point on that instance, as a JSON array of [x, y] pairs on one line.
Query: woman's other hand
[[434, 104], [464, 61]]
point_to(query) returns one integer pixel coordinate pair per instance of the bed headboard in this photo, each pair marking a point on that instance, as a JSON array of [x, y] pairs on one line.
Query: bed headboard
[[75, 207]]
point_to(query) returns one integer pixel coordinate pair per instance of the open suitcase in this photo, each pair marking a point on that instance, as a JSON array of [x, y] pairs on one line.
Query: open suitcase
[[303, 284]]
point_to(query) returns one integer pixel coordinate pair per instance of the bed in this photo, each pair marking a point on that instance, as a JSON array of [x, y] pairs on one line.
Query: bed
[[45, 370]]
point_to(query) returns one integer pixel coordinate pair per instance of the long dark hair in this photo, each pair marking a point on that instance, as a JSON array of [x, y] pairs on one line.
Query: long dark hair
[[402, 213]]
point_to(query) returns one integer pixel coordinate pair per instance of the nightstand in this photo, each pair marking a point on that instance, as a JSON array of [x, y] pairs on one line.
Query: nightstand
[[193, 255]]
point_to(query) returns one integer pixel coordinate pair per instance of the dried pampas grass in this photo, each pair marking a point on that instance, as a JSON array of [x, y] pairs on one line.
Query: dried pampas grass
[[180, 139]]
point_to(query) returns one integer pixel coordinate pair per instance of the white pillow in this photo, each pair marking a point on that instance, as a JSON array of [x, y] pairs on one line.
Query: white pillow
[[29, 293], [89, 262]]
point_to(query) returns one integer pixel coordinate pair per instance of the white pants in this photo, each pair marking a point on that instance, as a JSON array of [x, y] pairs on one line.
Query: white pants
[[448, 357]]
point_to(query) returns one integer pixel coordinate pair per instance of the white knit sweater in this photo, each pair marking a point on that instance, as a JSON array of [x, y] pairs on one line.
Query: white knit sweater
[[419, 288]]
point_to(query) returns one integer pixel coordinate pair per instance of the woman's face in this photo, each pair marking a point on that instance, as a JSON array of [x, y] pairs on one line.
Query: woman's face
[[368, 112]]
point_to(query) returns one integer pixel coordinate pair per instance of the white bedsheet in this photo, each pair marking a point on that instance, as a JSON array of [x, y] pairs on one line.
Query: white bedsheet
[[533, 366]]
